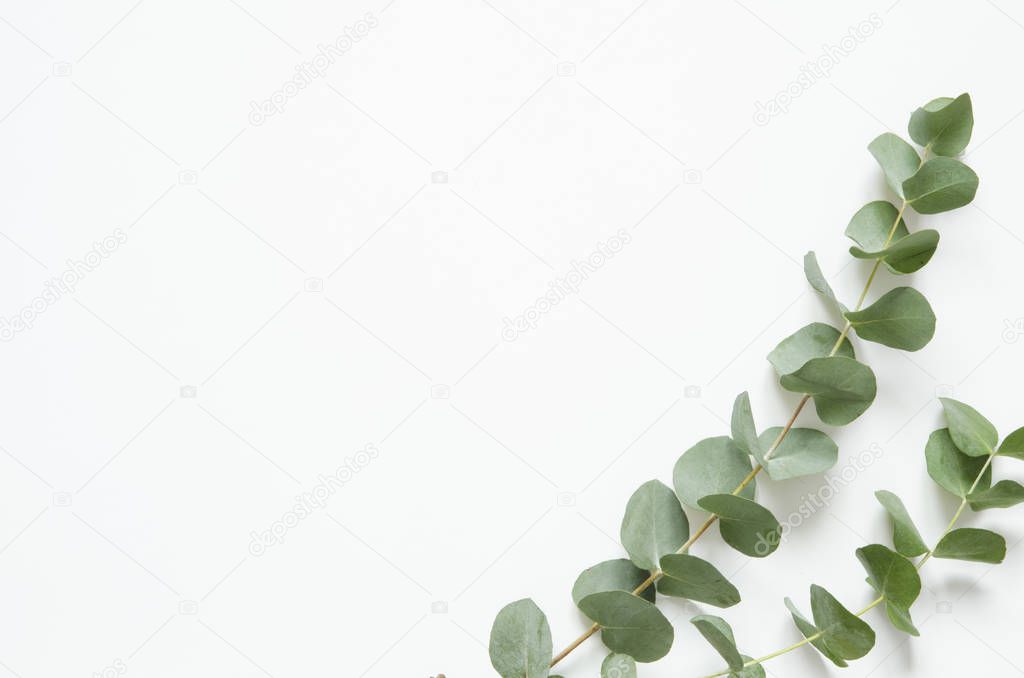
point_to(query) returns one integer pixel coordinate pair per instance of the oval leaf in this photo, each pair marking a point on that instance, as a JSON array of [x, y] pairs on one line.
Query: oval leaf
[[654, 524], [871, 225], [906, 255], [811, 341], [803, 452], [897, 158], [953, 470], [1013, 445], [905, 536], [718, 632], [902, 319], [817, 280], [845, 634], [618, 666], [712, 466], [944, 124], [973, 434], [1004, 494], [744, 433], [894, 577], [690, 577], [809, 630], [842, 388], [745, 525], [611, 575], [972, 543], [521, 641], [942, 184], [632, 625]]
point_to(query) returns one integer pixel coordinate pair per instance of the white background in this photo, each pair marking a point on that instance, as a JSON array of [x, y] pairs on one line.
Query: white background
[[315, 288]]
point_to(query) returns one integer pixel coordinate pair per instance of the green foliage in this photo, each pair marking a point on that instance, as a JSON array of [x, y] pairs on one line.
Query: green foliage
[[895, 578], [897, 158], [902, 319], [611, 575], [811, 341], [816, 278], [813, 633], [905, 536], [618, 666], [802, 452], [631, 624], [712, 466], [521, 641], [905, 255], [972, 543], [953, 470], [844, 633], [745, 525], [654, 524], [871, 225], [1013, 445], [973, 434], [842, 388], [943, 124], [718, 632], [690, 577], [1004, 494], [942, 184]]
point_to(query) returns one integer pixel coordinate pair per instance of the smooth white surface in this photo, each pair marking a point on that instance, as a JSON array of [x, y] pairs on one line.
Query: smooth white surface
[[319, 294]]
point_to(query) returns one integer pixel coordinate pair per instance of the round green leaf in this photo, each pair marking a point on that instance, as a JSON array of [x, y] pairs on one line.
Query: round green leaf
[[809, 630], [611, 575], [897, 158], [971, 543], [745, 525], [1004, 494], [942, 184], [654, 524], [845, 634], [803, 452], [690, 577], [842, 388], [712, 466], [894, 577], [905, 536], [871, 225], [718, 632], [906, 255], [902, 318], [944, 124], [953, 470], [632, 625], [618, 666], [521, 641], [811, 341], [973, 434]]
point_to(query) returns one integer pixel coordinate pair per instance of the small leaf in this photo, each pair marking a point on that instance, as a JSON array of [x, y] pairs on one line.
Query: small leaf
[[973, 434], [811, 341], [902, 319], [718, 632], [810, 630], [745, 525], [971, 543], [1004, 494], [906, 255], [897, 158], [942, 184], [712, 466], [817, 280], [871, 225], [845, 634], [654, 524], [752, 671], [521, 641], [842, 388], [632, 625], [690, 577], [894, 577], [953, 470], [803, 452], [618, 666], [611, 575], [905, 536], [1013, 445], [744, 433], [944, 125]]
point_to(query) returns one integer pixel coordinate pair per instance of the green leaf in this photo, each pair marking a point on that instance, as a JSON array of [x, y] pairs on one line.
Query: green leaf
[[744, 433], [1004, 494], [1013, 445], [712, 466], [811, 341], [971, 543], [521, 641], [632, 625], [752, 671], [618, 666], [902, 319], [897, 158], [809, 630], [690, 577], [654, 524], [745, 525], [842, 388], [817, 280], [973, 434], [953, 470], [942, 184], [611, 575], [803, 452], [944, 124], [845, 634], [871, 225], [718, 632], [905, 255], [894, 577], [905, 536]]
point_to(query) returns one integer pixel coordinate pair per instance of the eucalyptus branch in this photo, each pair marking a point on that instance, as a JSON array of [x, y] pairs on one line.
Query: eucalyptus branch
[[718, 475]]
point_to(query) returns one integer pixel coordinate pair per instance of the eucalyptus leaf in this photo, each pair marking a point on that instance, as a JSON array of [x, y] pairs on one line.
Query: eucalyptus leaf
[[690, 577], [845, 634], [718, 632], [803, 452], [894, 577], [611, 575], [745, 525], [809, 630], [1004, 494], [654, 524], [618, 666], [842, 388], [953, 470], [752, 671], [520, 644], [905, 255], [712, 466], [1013, 445], [973, 434], [902, 318], [897, 158], [744, 433], [811, 341], [871, 225], [632, 625], [817, 280], [905, 536], [942, 184], [972, 543], [944, 124]]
